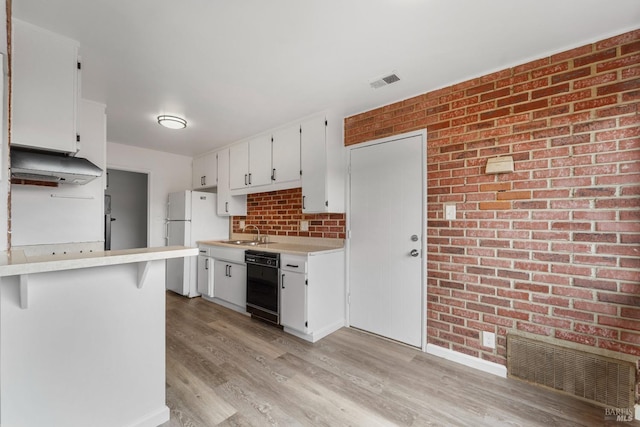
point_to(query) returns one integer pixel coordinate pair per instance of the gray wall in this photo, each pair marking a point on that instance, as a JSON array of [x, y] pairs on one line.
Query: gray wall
[[128, 191]]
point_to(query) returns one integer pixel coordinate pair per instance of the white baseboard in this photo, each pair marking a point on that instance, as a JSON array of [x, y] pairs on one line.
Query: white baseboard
[[637, 416], [470, 361], [317, 335], [153, 419]]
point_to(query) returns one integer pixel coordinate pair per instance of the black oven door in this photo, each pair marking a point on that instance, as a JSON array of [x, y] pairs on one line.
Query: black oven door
[[262, 291]]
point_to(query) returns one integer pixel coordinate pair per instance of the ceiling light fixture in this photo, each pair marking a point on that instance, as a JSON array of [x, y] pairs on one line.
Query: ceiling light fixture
[[172, 122]]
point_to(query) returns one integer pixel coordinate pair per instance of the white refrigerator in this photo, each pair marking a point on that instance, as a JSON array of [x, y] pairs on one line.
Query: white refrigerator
[[191, 216]]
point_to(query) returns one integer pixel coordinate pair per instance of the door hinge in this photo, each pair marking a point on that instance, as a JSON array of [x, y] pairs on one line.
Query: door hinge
[[300, 172], [306, 282], [348, 234], [77, 137], [306, 324], [300, 129], [326, 203], [79, 65], [326, 122]]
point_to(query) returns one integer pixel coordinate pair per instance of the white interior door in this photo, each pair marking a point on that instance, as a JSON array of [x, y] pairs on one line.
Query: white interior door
[[386, 211]]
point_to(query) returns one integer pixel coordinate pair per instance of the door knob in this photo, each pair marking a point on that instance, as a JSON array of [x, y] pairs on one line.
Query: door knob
[[414, 253]]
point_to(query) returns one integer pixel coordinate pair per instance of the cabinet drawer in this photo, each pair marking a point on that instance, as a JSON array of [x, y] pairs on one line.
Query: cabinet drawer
[[227, 254], [204, 250], [293, 263]]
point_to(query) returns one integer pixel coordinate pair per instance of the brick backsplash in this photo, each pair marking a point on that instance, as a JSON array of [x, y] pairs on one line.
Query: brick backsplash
[[554, 247], [278, 213]]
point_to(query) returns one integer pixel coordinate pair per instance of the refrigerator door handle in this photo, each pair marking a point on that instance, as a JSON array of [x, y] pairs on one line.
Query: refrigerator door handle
[[166, 232]]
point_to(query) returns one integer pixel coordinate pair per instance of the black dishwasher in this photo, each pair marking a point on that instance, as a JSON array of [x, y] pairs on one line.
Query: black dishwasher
[[263, 290]]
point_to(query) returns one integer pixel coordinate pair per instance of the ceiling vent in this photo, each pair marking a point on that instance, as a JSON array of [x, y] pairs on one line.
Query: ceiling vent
[[384, 81]]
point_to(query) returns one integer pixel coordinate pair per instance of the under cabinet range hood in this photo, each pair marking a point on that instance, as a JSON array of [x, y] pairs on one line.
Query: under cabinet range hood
[[45, 168]]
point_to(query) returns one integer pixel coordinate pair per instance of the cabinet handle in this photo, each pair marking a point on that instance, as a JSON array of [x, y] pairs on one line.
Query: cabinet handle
[[206, 263], [245, 179], [226, 207], [249, 179], [291, 265], [229, 271], [204, 180], [226, 270], [303, 197], [273, 174], [282, 281]]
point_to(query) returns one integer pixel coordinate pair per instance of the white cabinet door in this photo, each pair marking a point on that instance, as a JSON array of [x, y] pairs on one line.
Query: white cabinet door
[[197, 171], [293, 300], [205, 171], [44, 88], [205, 279], [239, 165], [260, 161], [230, 282], [314, 165], [286, 155], [227, 204], [250, 163]]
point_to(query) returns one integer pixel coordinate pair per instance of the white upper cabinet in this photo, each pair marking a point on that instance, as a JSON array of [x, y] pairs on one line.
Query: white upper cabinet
[[45, 89], [205, 171], [260, 161], [250, 164], [239, 165], [227, 204], [285, 152], [322, 164], [308, 155]]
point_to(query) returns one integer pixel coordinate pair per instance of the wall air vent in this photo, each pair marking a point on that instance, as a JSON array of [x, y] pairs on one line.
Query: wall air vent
[[384, 80], [574, 369]]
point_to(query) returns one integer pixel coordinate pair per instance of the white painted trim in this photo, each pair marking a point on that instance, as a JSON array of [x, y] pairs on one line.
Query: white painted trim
[[149, 174], [470, 361], [637, 416], [317, 335], [153, 419]]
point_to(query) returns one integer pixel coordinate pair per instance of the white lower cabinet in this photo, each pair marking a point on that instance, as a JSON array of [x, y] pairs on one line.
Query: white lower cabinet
[[312, 288], [222, 276], [230, 282], [293, 292], [205, 273], [312, 294]]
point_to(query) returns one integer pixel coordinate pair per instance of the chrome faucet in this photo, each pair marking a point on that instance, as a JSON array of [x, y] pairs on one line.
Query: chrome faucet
[[251, 225]]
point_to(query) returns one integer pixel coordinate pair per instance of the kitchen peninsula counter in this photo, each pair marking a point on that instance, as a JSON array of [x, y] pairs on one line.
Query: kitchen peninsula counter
[[17, 262], [82, 337]]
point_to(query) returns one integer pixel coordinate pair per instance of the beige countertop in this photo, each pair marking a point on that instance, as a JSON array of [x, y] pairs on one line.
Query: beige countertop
[[17, 262], [283, 244]]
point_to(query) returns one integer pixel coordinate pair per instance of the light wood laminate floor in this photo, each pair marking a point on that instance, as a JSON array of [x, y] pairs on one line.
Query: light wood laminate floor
[[226, 369]]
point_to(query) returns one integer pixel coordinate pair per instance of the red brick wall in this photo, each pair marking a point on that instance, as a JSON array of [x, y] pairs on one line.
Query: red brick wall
[[278, 213], [553, 248]]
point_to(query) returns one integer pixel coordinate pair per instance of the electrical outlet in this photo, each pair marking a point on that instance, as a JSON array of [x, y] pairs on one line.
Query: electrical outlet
[[304, 225], [488, 339], [242, 223]]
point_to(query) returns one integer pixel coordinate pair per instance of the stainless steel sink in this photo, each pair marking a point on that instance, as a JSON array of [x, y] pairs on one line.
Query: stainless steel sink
[[242, 242]]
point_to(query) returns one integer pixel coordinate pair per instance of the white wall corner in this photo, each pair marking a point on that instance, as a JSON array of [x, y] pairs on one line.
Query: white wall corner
[[470, 361]]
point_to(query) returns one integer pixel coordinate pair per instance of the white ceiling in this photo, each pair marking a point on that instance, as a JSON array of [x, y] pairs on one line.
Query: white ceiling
[[234, 68]]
